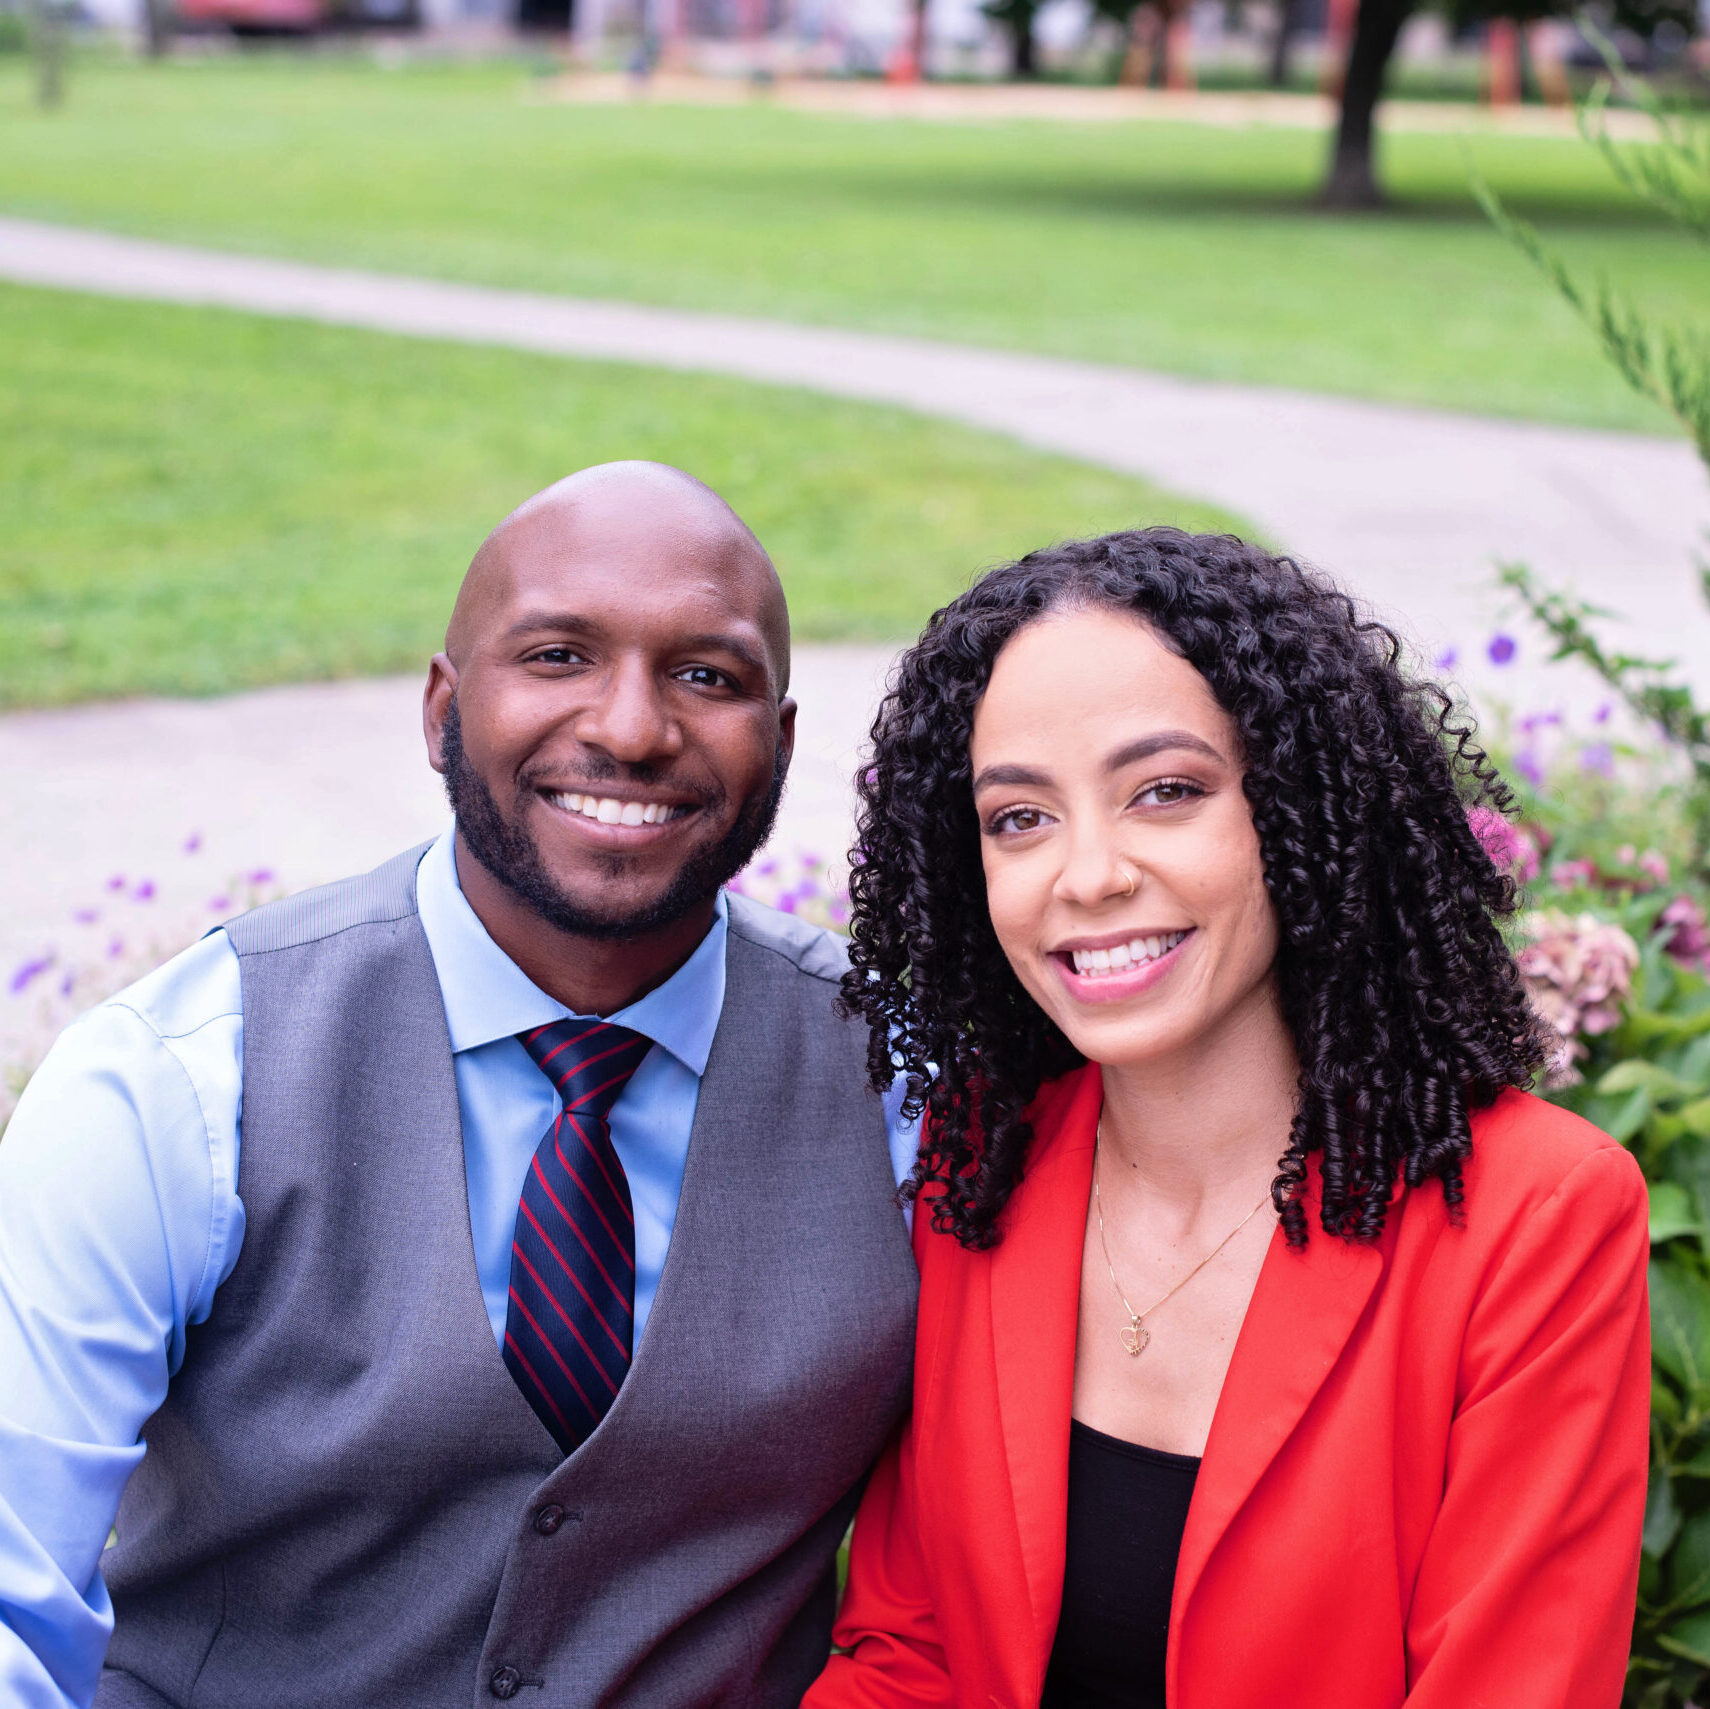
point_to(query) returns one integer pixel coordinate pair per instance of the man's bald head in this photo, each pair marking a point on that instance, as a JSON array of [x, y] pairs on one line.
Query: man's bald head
[[636, 510]]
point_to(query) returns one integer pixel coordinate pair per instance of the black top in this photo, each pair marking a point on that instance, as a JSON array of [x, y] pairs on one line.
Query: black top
[[1128, 1506]]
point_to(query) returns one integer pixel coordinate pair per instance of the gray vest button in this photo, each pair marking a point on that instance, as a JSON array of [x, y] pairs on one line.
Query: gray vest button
[[505, 1683], [548, 1519]]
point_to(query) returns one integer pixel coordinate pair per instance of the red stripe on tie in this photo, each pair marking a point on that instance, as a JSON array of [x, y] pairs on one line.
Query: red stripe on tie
[[599, 1027], [557, 1357], [598, 1056], [616, 1080], [599, 1316], [569, 1322], [540, 1387], [546, 1187], [593, 1205], [618, 1192]]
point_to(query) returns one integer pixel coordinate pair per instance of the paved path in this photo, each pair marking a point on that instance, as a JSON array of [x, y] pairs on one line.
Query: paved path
[[1408, 507]]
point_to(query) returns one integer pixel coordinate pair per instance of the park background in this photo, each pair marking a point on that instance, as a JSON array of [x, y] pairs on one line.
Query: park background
[[298, 297]]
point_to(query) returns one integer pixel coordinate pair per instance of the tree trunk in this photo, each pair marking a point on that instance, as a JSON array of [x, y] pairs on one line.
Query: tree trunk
[[47, 39], [1022, 59], [1282, 43], [1352, 182], [157, 28]]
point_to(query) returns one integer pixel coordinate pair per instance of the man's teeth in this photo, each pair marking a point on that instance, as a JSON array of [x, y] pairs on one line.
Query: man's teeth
[[610, 812], [1120, 958]]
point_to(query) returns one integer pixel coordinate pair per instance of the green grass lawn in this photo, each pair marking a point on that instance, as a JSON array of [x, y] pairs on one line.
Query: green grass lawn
[[1178, 247], [195, 501]]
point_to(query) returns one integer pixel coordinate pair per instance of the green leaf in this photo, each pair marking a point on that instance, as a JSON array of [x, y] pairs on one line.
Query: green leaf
[[1696, 1117], [1680, 1327], [1629, 1076], [1630, 1117], [1688, 1164], [1689, 1638], [1662, 1516], [1689, 1573], [1672, 1212]]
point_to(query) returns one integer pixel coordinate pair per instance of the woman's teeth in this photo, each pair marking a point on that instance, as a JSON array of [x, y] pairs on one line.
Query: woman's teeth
[[1120, 958], [610, 812]]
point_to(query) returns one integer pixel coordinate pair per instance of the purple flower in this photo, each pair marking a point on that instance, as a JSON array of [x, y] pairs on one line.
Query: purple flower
[[26, 973], [1529, 767], [261, 875], [1598, 758], [1502, 649], [193, 842], [1601, 715], [1688, 940], [116, 882], [1446, 660], [115, 949], [68, 984], [219, 904], [86, 916], [144, 892]]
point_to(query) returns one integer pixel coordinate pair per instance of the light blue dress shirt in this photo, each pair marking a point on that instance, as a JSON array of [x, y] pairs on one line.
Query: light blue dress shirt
[[120, 1218]]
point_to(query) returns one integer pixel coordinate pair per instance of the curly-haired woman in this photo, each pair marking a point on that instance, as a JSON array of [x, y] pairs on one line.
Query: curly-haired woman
[[1276, 1351]]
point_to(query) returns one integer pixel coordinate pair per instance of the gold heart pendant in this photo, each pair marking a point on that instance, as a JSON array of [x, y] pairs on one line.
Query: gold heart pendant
[[1135, 1339]]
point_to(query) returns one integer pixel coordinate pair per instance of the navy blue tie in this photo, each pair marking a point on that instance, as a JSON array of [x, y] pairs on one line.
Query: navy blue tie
[[570, 1327]]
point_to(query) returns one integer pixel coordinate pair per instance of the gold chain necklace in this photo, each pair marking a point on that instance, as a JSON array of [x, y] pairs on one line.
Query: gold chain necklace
[[1137, 1337]]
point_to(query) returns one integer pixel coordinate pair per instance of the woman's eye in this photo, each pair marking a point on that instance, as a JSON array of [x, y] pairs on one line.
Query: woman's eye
[[1170, 792], [1014, 820]]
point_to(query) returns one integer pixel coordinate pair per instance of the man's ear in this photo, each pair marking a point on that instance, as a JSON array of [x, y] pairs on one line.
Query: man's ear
[[436, 703], [787, 731]]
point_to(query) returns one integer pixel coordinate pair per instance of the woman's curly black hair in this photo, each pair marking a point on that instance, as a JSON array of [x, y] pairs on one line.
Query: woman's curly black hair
[[1405, 1005]]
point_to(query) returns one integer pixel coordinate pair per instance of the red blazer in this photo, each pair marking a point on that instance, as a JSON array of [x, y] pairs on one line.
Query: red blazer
[[1424, 1483]]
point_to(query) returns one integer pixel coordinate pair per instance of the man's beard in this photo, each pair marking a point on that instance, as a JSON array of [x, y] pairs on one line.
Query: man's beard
[[509, 853]]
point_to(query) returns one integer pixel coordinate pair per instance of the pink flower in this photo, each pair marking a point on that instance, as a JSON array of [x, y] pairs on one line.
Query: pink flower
[[1512, 848], [1578, 970], [1654, 866], [1688, 939], [1573, 874]]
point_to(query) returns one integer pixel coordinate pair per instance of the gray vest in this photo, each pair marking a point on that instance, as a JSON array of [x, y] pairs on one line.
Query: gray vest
[[345, 1499]]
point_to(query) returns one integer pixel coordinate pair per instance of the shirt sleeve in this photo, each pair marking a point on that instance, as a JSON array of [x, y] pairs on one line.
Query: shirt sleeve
[[1524, 1597], [119, 1218]]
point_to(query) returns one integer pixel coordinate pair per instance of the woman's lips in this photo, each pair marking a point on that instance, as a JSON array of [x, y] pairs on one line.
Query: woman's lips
[[1116, 987]]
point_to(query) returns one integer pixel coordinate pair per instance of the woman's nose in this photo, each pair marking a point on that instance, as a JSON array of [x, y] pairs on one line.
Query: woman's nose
[[1095, 871]]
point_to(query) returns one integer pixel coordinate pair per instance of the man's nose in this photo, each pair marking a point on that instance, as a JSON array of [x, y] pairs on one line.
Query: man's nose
[[630, 719]]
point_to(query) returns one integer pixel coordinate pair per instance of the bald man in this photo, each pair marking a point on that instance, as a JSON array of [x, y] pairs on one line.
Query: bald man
[[482, 1278]]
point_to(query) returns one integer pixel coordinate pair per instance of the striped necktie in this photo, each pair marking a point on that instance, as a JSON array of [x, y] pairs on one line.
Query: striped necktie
[[570, 1327]]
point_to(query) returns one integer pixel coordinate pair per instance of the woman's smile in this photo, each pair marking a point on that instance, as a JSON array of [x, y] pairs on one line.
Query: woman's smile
[[1110, 970]]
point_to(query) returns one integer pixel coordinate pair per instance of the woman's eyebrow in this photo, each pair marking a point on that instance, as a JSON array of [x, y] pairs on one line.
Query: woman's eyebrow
[[1163, 740], [1020, 775]]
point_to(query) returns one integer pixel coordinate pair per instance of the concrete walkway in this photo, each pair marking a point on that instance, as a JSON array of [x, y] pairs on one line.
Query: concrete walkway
[[1409, 508]]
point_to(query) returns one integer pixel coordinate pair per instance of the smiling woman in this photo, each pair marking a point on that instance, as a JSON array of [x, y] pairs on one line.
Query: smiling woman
[[1275, 1349]]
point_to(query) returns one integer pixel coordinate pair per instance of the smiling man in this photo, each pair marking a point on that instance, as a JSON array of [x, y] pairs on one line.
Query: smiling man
[[483, 1278]]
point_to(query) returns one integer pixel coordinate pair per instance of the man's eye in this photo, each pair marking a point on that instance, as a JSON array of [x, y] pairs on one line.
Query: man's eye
[[703, 676], [555, 656]]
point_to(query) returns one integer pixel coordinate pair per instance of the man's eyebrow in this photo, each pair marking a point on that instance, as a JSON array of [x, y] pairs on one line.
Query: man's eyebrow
[[1025, 777], [535, 622], [719, 642]]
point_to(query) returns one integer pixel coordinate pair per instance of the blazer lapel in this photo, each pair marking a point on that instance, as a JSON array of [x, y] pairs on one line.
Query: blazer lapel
[[1035, 1303], [1303, 1311]]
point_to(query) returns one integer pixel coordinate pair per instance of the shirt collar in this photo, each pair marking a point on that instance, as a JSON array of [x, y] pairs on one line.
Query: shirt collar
[[487, 996]]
